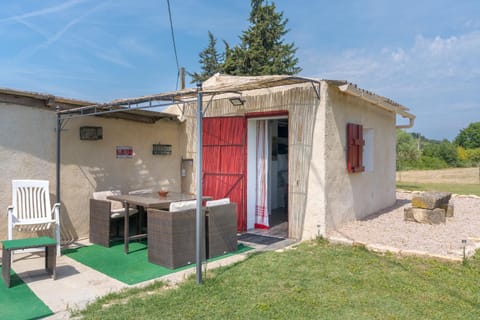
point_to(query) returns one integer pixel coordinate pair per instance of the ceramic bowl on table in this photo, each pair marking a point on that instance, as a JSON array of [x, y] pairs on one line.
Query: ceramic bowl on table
[[162, 193]]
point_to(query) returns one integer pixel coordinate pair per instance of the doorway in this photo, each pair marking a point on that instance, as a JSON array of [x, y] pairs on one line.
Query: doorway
[[267, 167]]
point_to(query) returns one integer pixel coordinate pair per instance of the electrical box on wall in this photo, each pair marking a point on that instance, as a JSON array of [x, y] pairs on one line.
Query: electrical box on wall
[[91, 133], [162, 149]]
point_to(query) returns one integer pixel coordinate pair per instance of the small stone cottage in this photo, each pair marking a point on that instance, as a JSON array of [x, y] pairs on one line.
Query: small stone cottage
[[308, 152]]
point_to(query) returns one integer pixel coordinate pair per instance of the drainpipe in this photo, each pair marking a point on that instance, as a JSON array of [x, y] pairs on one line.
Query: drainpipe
[[406, 126]]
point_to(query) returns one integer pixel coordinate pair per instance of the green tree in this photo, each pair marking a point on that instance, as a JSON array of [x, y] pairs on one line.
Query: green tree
[[262, 50], [469, 138], [473, 155], [408, 153], [211, 61], [444, 150], [448, 153]]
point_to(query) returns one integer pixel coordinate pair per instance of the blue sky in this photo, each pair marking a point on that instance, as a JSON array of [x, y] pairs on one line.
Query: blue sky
[[422, 54]]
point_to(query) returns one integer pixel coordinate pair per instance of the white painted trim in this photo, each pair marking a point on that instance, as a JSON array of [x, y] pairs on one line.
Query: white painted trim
[[251, 171]]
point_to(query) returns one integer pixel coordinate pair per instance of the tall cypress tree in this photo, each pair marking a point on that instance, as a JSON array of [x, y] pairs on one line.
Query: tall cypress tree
[[262, 50], [211, 61]]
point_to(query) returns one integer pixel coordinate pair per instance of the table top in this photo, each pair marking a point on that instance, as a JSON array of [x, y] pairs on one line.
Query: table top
[[153, 200]]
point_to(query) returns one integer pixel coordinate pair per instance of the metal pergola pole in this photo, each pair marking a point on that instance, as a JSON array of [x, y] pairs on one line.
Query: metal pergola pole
[[57, 168], [199, 215]]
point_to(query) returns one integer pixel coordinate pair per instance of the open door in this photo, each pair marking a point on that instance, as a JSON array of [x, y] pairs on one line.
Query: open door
[[267, 174], [224, 162]]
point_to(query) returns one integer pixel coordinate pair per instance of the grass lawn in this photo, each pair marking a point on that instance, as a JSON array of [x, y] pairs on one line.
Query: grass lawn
[[467, 189], [314, 280]]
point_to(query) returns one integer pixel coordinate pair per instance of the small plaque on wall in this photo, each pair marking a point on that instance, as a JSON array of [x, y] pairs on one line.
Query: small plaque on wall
[[124, 152], [91, 133], [162, 149]]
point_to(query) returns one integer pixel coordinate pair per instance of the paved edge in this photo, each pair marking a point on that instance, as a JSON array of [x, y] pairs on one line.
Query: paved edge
[[379, 248]]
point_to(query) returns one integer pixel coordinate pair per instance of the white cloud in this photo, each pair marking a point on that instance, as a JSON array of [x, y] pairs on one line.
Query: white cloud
[[133, 45], [50, 37], [435, 73], [399, 55], [44, 11], [429, 58]]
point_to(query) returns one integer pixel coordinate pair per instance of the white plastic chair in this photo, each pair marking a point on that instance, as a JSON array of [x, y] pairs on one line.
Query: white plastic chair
[[31, 211]]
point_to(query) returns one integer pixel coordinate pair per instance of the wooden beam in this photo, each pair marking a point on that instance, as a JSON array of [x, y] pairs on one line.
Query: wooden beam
[[131, 116], [24, 101]]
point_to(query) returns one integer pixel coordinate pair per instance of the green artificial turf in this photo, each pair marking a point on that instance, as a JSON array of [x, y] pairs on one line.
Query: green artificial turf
[[128, 268], [19, 302]]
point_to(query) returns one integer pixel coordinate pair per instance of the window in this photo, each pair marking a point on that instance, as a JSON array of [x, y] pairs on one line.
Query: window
[[368, 147], [355, 144]]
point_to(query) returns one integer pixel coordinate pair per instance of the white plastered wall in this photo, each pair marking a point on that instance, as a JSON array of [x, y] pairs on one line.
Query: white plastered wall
[[357, 195], [28, 146], [314, 223]]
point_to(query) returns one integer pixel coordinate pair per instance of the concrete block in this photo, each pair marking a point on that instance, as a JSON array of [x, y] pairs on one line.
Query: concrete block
[[408, 214], [449, 209], [431, 200], [435, 216]]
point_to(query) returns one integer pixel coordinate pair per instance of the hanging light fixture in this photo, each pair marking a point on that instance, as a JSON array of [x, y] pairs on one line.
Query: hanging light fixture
[[237, 101]]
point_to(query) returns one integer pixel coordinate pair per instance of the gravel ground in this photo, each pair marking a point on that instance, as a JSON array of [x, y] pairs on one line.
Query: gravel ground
[[387, 231]]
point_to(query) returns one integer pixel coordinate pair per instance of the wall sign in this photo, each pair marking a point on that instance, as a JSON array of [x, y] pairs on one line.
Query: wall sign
[[124, 152], [91, 133], [162, 149]]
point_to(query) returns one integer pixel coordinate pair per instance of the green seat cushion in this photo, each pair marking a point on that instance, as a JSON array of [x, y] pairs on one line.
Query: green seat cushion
[[28, 243]]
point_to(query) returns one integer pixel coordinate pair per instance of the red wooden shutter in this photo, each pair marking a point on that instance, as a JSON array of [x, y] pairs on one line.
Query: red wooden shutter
[[355, 144]]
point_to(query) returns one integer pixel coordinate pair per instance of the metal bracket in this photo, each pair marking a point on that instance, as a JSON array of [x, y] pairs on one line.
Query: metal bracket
[[208, 104], [317, 90]]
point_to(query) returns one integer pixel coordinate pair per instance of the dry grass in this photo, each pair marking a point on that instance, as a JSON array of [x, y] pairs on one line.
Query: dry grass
[[446, 176]]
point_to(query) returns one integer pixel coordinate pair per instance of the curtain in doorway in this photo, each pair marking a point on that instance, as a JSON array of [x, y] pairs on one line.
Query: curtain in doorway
[[261, 206]]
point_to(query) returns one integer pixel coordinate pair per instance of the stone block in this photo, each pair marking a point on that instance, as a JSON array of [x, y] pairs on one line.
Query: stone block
[[449, 211], [431, 200], [430, 216], [408, 214]]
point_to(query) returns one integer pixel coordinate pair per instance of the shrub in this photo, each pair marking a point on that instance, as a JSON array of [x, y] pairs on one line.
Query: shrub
[[473, 155], [427, 162]]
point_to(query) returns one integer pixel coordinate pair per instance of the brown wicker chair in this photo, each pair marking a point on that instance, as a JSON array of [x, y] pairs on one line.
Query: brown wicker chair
[[104, 213], [171, 237], [222, 229]]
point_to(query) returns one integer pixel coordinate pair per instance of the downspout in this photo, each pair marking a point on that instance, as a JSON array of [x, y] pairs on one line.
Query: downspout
[[406, 126]]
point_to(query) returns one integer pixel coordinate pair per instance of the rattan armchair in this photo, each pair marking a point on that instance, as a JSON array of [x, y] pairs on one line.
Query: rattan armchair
[[222, 229], [171, 237], [172, 234], [105, 217]]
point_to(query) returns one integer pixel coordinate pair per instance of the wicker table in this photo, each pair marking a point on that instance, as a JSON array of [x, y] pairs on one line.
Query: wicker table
[[148, 201]]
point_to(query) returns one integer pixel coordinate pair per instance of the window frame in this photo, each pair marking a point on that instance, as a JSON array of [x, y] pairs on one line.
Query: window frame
[[355, 143]]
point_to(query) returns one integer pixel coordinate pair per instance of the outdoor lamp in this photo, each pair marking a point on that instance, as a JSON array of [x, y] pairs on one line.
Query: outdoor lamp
[[237, 101]]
